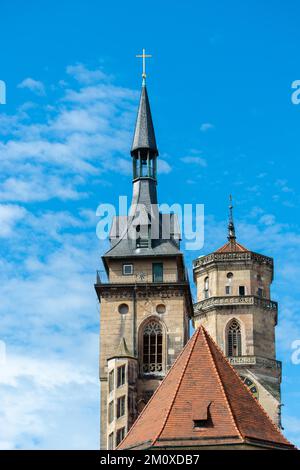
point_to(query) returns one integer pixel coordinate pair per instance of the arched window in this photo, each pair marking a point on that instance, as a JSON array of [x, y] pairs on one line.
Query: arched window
[[152, 348], [234, 342], [206, 287]]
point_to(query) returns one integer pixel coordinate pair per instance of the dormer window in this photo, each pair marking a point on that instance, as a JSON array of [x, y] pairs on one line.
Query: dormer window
[[201, 416], [143, 236]]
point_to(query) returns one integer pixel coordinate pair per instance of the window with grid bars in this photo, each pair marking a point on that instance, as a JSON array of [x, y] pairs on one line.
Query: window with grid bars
[[152, 348], [120, 407], [121, 376], [234, 342], [120, 435]]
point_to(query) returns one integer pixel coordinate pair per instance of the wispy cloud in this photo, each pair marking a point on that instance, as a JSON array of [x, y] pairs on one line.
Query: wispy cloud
[[194, 160], [75, 136], [206, 126], [33, 85]]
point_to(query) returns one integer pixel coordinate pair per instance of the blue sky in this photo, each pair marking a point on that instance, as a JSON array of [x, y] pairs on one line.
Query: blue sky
[[220, 89]]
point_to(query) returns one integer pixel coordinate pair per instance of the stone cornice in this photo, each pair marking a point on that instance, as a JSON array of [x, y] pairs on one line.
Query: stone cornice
[[232, 258], [228, 301]]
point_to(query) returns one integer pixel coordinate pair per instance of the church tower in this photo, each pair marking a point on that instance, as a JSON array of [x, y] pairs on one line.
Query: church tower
[[234, 305], [145, 297]]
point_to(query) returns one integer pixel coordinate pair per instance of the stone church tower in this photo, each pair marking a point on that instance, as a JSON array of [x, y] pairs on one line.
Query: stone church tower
[[234, 305], [145, 300]]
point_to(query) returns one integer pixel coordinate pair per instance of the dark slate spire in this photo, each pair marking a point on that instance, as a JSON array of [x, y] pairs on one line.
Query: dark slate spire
[[231, 230], [144, 136]]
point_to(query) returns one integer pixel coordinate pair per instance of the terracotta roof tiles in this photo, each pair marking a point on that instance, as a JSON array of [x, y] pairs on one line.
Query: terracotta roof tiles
[[202, 401]]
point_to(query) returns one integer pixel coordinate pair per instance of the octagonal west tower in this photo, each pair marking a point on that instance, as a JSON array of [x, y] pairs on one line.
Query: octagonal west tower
[[234, 305]]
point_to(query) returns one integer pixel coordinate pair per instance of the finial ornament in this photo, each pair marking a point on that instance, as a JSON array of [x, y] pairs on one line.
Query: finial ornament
[[231, 230], [144, 56]]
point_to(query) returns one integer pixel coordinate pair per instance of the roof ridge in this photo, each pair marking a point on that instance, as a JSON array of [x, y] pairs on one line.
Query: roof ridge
[[220, 381], [194, 337], [277, 429], [156, 391]]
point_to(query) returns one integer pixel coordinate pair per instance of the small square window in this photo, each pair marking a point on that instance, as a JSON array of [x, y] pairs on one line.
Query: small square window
[[121, 376], [121, 407], [227, 290], [127, 269]]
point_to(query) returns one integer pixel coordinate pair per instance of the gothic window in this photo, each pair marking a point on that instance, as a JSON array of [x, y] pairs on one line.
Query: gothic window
[[121, 406], [206, 287], [234, 342], [121, 376], [152, 348]]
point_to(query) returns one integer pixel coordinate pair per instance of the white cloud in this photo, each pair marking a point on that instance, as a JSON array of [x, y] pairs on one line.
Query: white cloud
[[83, 133], [49, 391], [163, 166], [10, 215], [206, 126], [194, 160], [84, 75], [33, 85], [267, 219]]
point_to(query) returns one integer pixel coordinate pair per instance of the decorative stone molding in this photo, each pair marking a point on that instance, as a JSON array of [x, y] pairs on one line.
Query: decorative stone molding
[[255, 360], [225, 301], [232, 257]]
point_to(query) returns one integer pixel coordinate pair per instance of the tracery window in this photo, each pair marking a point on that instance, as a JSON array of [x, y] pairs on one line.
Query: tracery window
[[152, 348], [234, 342]]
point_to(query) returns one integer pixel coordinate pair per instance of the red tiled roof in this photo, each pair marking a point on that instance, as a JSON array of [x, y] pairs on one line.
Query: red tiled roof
[[202, 385], [232, 247]]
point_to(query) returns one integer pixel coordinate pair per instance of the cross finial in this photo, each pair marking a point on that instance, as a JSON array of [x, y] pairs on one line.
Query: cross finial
[[144, 56], [231, 230]]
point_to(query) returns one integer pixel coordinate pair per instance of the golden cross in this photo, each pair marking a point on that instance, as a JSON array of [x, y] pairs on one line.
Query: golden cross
[[144, 56]]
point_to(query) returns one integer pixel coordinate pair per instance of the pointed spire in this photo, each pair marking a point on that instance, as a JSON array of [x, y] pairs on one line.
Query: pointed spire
[[144, 136], [231, 230]]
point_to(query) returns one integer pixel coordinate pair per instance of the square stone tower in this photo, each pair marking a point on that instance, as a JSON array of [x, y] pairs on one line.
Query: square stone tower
[[234, 305], [145, 295]]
